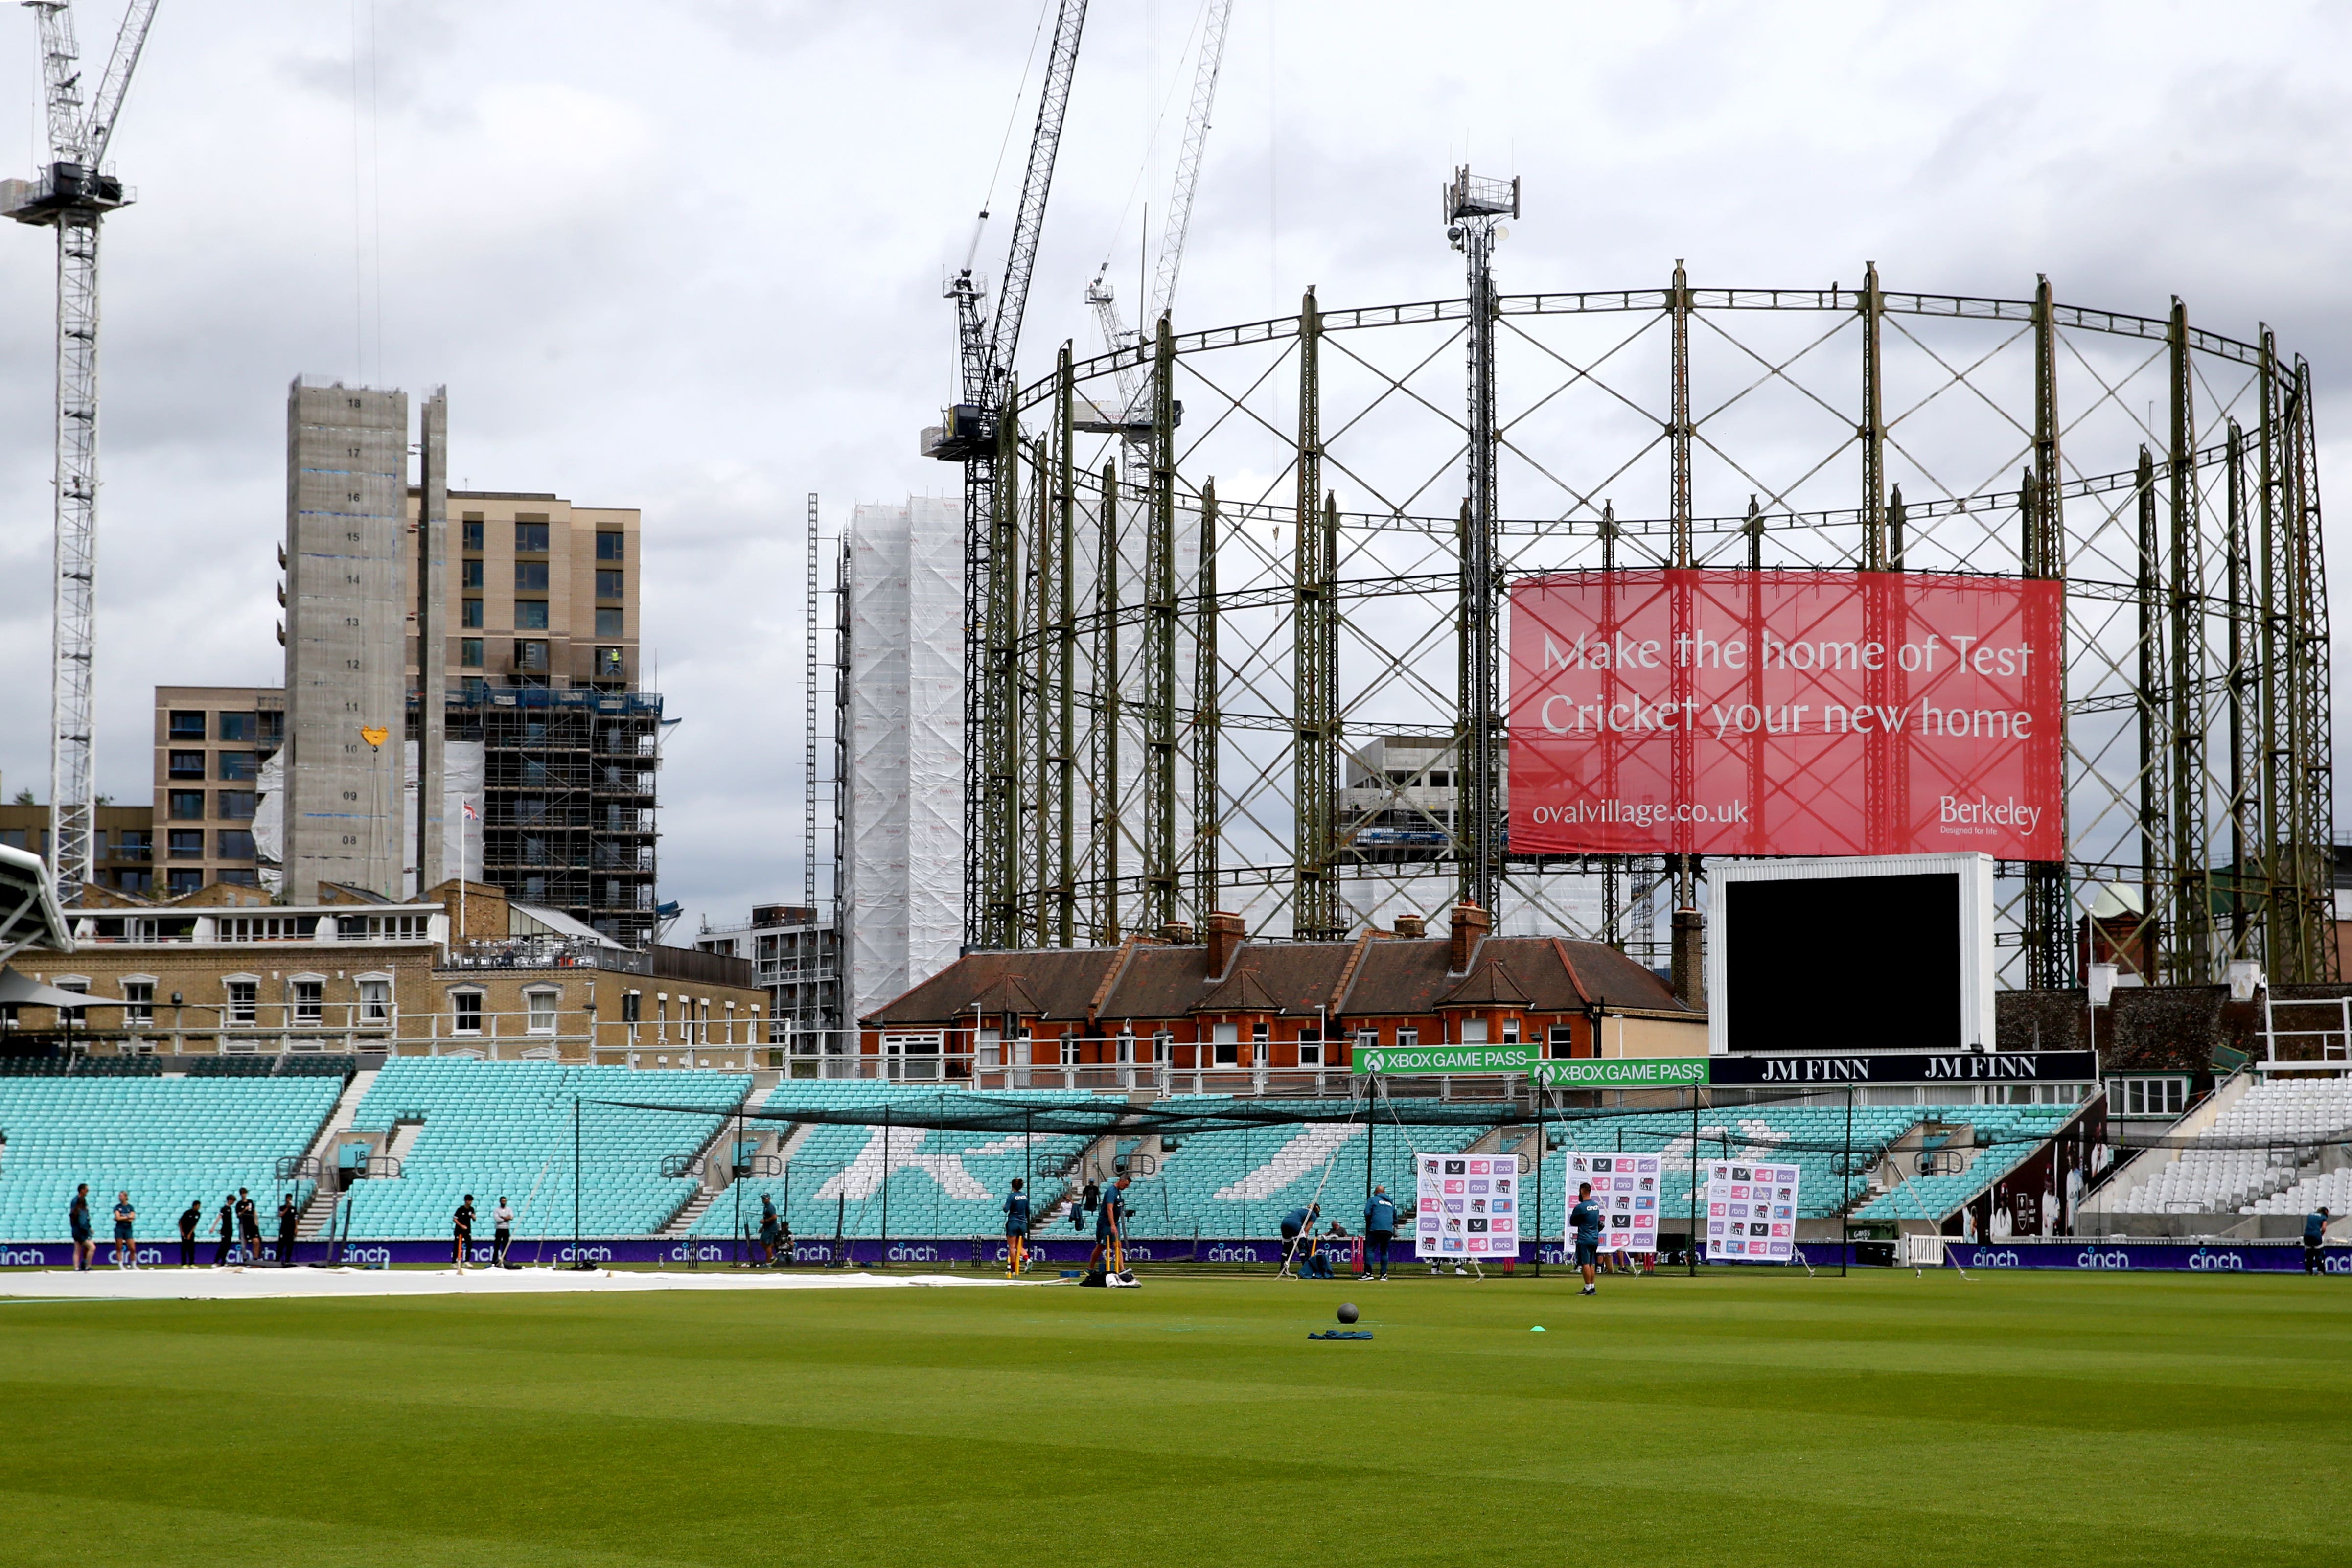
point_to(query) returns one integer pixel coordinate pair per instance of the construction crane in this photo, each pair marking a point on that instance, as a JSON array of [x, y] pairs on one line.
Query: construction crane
[[1132, 419], [71, 196], [968, 435]]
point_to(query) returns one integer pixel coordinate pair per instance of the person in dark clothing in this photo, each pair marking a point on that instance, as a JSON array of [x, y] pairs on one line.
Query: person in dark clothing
[[85, 1245], [1295, 1225], [126, 1250], [1093, 1197], [289, 1219], [248, 1226], [1016, 1229], [1585, 1220], [2315, 1241], [771, 1228], [189, 1223], [1379, 1229], [1110, 1229], [227, 1231], [462, 1231]]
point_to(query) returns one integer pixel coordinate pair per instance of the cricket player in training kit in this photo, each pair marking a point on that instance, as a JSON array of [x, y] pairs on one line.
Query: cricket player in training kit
[[1585, 1220], [1017, 1230], [1110, 1228]]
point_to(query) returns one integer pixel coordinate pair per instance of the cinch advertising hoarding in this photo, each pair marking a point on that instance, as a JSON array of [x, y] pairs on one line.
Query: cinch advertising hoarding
[[1738, 712]]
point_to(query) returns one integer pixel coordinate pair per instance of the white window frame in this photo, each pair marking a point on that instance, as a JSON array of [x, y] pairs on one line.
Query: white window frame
[[240, 1011], [1069, 1047], [1408, 1039], [79, 986], [1471, 1031], [1310, 1045], [1225, 1045], [310, 1014], [466, 992], [537, 1001], [375, 1009], [138, 1011]]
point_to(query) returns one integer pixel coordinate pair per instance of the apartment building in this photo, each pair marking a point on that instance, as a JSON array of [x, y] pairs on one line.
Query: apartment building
[[796, 958], [211, 745], [543, 593], [467, 973], [123, 849]]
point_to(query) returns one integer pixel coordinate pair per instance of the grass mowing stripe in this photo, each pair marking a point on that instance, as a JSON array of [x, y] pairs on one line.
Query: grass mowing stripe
[[2089, 1421]]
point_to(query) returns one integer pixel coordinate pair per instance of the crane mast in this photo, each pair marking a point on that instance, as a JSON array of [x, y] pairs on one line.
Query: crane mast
[[970, 434], [71, 196], [1135, 422]]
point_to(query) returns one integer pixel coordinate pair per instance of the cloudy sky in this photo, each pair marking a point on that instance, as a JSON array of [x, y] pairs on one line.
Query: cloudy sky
[[686, 257]]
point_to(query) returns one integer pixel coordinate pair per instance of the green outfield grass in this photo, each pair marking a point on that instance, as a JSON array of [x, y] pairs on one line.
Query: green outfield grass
[[1740, 1419]]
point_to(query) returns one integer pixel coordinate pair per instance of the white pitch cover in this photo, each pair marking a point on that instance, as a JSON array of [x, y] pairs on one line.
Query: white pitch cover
[[1751, 1211], [1469, 1206], [1625, 1186]]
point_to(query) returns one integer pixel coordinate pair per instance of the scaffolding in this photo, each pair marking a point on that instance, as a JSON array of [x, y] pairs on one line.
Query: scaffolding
[[1147, 617], [570, 779]]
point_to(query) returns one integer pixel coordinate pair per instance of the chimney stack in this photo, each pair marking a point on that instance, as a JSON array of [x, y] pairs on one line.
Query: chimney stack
[[1412, 926], [1471, 925], [1226, 933], [1176, 933]]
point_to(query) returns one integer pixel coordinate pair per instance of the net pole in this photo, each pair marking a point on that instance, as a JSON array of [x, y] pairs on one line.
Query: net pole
[[576, 1258], [1690, 1249], [734, 1168], [886, 1182], [1543, 1147], [1845, 1192]]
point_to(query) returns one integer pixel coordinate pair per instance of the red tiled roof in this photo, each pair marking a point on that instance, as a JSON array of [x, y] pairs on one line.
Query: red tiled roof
[[1390, 977]]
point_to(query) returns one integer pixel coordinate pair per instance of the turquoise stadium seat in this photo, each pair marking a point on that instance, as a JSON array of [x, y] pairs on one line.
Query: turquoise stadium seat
[[167, 1140], [942, 1183], [505, 1129]]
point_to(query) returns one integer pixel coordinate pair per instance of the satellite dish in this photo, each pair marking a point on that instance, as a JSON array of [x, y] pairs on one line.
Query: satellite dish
[[1501, 233]]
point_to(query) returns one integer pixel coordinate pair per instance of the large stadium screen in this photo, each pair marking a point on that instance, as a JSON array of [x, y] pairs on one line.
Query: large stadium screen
[[1737, 713], [1843, 963]]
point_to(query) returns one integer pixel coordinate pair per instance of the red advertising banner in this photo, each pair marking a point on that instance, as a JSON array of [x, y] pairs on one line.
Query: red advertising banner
[[1735, 713]]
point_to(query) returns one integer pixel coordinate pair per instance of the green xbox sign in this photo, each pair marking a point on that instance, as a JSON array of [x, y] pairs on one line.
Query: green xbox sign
[[1622, 1072], [1444, 1058]]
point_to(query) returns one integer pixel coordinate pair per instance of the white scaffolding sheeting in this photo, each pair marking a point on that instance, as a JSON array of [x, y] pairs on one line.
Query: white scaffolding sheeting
[[904, 802]]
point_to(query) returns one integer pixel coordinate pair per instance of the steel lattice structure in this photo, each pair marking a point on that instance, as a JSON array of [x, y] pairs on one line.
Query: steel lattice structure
[[1184, 704], [72, 193]]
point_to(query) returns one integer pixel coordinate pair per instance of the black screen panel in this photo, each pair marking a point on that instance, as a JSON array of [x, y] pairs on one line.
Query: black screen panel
[[1843, 963]]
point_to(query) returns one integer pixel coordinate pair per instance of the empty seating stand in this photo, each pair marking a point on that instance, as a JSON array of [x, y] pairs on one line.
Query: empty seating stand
[[505, 1129], [169, 1141], [2278, 1167]]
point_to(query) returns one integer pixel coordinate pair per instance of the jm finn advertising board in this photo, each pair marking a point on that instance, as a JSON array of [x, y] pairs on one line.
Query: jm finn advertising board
[[1741, 712]]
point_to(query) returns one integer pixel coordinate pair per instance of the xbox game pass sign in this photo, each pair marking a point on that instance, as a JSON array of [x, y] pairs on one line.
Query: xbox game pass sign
[[1514, 1057], [1582, 1073], [1623, 1072]]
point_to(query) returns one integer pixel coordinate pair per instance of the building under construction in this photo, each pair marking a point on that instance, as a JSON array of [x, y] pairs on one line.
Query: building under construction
[[1248, 658]]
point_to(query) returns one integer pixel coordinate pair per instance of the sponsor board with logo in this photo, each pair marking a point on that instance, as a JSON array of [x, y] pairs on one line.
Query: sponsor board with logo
[[1751, 1211], [2148, 1257], [1625, 1189], [1508, 1058], [1467, 1206], [1622, 1072]]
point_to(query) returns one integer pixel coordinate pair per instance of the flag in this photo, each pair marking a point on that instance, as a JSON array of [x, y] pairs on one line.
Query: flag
[[470, 812]]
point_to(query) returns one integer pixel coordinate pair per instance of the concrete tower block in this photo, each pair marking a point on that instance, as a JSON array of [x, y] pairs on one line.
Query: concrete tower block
[[346, 624], [429, 596]]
